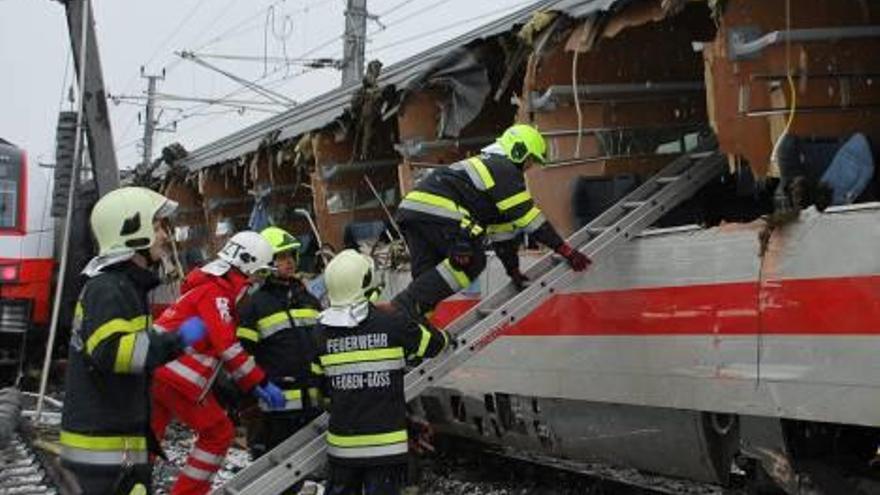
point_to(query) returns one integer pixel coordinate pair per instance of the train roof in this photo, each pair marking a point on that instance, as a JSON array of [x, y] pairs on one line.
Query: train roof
[[324, 109]]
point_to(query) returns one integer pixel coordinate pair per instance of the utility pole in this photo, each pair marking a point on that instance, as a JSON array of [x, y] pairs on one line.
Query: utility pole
[[355, 41], [150, 121], [96, 116]]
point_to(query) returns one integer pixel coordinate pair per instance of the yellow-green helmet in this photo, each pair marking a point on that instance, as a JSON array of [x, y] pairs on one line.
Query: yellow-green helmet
[[281, 240], [522, 141], [122, 220], [350, 278]]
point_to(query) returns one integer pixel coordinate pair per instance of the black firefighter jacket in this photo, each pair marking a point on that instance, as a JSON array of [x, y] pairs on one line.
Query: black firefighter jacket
[[105, 420], [363, 369], [488, 190], [276, 326]]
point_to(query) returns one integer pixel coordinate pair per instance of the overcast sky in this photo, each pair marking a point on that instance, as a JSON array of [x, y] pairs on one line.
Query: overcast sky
[[35, 58]]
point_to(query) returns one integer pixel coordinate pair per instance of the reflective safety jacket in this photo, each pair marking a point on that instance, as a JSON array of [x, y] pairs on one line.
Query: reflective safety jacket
[[105, 419], [488, 190], [276, 326], [363, 370], [213, 299]]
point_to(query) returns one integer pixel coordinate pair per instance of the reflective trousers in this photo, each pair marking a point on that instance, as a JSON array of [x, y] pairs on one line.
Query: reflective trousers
[[435, 276], [366, 480], [106, 480], [214, 434]]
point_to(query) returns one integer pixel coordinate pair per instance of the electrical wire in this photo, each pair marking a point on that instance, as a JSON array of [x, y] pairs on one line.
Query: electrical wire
[[774, 155], [394, 8], [174, 32], [447, 27], [408, 17]]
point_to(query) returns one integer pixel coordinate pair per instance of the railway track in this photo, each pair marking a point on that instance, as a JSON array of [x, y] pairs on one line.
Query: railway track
[[22, 471], [468, 468]]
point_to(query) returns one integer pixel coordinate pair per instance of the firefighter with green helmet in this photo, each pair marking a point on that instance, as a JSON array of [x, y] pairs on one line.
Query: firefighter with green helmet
[[276, 326], [454, 211], [114, 347], [362, 351]]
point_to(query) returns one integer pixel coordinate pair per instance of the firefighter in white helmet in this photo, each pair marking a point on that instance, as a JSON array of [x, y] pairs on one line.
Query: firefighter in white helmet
[[361, 353], [113, 348], [182, 388]]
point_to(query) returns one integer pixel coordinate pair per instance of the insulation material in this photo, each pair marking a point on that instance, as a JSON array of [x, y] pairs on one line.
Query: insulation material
[[540, 21], [636, 15], [836, 91], [465, 83]]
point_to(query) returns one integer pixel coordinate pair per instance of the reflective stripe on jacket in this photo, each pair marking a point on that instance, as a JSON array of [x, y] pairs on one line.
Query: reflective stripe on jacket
[[213, 299], [488, 190], [277, 326], [362, 369], [106, 385]]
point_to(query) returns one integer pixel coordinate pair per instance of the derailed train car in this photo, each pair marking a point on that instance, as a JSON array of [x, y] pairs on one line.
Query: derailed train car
[[742, 329]]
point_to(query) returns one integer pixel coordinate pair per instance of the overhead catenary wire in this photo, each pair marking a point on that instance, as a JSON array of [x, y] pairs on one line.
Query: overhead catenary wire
[[446, 27], [407, 17]]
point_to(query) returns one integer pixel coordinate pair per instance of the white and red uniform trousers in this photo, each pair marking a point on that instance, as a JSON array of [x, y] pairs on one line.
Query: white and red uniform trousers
[[179, 385]]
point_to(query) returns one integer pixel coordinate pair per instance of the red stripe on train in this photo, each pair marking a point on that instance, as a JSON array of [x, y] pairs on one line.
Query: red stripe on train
[[828, 306]]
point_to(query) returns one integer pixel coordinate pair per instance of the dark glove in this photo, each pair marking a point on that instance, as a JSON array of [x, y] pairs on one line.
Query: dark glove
[[519, 280], [461, 253], [269, 393], [192, 331], [576, 259]]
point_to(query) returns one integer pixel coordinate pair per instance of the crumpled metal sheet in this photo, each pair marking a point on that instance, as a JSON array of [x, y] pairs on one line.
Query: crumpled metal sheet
[[466, 83]]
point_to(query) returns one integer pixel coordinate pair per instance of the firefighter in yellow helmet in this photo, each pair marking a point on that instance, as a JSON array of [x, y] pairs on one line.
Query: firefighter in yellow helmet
[[455, 211], [114, 348], [362, 350], [276, 326]]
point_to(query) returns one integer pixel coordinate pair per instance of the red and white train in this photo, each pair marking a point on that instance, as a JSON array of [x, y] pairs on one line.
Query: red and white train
[[26, 248], [686, 351]]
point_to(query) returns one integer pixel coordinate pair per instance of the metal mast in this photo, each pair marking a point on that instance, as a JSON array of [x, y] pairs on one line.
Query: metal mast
[[96, 115], [355, 41], [150, 120]]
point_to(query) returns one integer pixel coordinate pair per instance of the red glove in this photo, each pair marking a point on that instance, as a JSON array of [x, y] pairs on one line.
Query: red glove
[[576, 259]]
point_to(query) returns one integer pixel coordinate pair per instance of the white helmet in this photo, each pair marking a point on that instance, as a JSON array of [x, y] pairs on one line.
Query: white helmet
[[122, 220], [248, 251], [349, 278]]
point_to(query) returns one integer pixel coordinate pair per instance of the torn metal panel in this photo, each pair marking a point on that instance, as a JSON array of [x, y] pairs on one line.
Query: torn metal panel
[[464, 81]]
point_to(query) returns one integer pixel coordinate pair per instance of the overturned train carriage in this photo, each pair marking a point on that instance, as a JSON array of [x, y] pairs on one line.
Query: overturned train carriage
[[748, 339]]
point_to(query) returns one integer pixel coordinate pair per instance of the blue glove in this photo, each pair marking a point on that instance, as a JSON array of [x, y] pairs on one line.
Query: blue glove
[[271, 395], [192, 331]]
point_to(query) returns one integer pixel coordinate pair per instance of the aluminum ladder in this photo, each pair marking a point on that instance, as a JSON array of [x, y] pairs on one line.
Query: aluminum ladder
[[304, 452]]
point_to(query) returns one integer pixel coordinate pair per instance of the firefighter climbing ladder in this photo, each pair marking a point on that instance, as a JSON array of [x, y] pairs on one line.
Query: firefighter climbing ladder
[[304, 452]]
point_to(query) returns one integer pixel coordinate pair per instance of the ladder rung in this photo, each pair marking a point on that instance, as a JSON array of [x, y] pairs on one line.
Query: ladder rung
[[701, 154], [632, 205], [668, 180], [485, 311]]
